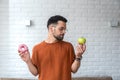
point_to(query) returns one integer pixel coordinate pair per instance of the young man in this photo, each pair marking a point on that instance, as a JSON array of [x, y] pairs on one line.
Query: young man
[[54, 59]]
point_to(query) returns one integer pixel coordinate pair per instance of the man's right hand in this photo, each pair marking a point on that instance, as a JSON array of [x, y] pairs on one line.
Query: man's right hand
[[25, 56]]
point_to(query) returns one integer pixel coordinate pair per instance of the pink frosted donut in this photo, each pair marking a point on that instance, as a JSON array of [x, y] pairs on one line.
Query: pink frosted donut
[[22, 48]]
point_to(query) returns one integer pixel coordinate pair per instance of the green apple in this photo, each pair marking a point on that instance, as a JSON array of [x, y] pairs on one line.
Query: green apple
[[82, 40]]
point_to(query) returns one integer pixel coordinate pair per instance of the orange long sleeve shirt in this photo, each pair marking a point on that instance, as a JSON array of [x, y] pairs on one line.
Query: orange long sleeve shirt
[[53, 60]]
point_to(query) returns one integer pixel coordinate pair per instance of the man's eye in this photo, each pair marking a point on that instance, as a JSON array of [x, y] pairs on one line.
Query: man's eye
[[61, 29]]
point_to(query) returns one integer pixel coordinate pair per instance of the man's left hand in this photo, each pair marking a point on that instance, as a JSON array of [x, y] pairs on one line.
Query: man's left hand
[[80, 49]]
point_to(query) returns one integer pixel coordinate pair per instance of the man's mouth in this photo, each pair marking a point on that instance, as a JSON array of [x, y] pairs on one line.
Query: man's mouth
[[62, 35]]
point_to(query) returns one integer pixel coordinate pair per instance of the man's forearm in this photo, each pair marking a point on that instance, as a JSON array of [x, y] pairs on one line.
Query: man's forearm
[[32, 68], [75, 66]]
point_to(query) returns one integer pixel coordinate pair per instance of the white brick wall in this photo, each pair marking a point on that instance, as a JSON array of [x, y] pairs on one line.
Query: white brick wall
[[88, 18], [4, 31]]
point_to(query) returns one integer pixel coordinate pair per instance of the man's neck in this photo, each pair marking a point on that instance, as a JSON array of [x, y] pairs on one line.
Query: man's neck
[[51, 39]]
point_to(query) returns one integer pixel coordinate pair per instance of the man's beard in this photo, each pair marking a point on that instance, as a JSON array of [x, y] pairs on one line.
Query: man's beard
[[59, 38]]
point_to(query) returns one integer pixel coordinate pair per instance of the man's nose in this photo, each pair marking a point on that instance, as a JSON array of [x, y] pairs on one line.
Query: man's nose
[[65, 30]]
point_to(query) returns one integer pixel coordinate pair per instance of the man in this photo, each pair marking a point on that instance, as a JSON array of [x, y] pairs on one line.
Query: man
[[54, 59]]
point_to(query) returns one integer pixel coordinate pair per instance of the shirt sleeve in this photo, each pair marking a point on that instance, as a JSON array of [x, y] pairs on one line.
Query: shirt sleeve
[[72, 54], [34, 57]]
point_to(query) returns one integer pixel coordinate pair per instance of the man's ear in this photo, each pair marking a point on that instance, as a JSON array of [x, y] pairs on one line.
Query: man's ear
[[51, 28]]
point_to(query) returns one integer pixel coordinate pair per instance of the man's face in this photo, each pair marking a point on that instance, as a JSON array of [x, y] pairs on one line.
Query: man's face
[[59, 30]]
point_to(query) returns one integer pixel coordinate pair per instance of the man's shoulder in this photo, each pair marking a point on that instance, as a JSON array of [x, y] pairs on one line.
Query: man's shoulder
[[67, 43], [39, 44]]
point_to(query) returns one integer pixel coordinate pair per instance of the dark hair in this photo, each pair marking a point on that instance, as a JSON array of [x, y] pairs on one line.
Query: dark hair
[[55, 19]]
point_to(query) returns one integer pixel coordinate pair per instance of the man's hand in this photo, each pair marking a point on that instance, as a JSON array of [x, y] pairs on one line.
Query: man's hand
[[80, 49], [25, 56]]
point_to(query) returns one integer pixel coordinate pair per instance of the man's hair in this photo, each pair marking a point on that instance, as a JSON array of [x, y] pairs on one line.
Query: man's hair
[[55, 19]]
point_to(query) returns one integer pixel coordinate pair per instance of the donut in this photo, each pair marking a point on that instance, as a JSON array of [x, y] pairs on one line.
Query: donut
[[22, 48]]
